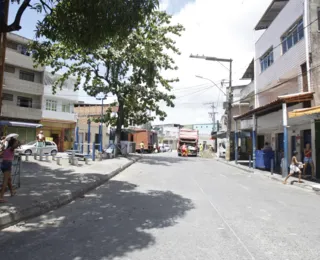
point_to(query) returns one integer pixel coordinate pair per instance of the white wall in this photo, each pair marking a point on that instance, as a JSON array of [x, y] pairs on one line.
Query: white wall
[[285, 65], [59, 114]]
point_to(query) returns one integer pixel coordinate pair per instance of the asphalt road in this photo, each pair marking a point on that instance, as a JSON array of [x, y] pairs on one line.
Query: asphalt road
[[165, 207]]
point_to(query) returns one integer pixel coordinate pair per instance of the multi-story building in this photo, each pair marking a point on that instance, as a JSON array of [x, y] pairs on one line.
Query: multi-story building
[[284, 76], [22, 90], [58, 116], [168, 134]]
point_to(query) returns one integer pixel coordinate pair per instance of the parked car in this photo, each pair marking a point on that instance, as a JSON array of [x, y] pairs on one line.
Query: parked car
[[161, 148], [30, 148], [167, 148]]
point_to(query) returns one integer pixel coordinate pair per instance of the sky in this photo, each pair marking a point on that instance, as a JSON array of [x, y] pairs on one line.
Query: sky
[[222, 29]]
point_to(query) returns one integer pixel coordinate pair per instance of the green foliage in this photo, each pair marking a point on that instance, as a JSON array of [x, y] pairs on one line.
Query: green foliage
[[85, 23], [130, 69]]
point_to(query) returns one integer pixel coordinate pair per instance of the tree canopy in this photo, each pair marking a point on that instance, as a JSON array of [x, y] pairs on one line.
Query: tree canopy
[[131, 69], [82, 23]]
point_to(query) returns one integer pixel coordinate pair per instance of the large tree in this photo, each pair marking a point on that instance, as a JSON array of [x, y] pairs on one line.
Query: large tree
[[130, 69], [81, 23]]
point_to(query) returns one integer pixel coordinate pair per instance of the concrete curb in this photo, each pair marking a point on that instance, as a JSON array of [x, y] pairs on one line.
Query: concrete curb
[[315, 187], [9, 219]]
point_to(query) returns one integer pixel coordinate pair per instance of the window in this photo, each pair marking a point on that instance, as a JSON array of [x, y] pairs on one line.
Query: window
[[66, 108], [8, 97], [24, 102], [9, 68], [292, 36], [266, 60], [51, 105], [24, 75]]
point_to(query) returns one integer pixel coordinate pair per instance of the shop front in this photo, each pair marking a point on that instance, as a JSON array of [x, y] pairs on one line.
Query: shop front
[[60, 132], [25, 130]]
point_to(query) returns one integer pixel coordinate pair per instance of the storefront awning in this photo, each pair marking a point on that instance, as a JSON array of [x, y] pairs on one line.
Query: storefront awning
[[19, 124], [304, 112], [276, 105]]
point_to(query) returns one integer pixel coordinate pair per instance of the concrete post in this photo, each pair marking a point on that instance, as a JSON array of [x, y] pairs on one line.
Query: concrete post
[[236, 142], [254, 137], [285, 139]]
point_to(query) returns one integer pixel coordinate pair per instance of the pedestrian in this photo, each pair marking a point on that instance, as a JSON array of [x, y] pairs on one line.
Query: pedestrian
[[142, 147], [6, 167], [308, 160], [155, 148], [41, 141], [184, 150], [294, 167]]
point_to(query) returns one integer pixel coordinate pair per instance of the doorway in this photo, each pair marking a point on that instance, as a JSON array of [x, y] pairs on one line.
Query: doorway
[[260, 142], [56, 139]]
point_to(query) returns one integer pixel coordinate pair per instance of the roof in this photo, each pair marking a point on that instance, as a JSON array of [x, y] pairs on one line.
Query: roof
[[270, 14], [304, 112], [277, 104], [249, 74]]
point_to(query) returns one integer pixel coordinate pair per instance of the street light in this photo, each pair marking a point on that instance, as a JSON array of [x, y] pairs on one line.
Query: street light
[[101, 122], [228, 95], [200, 77]]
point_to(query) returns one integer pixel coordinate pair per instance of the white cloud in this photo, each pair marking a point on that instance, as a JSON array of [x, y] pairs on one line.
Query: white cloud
[[213, 28]]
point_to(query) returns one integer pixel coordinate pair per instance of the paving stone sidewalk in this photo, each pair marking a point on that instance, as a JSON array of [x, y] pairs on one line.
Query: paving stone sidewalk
[[46, 185]]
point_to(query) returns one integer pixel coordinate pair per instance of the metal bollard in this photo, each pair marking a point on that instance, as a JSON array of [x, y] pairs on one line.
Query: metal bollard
[[100, 156], [41, 154], [27, 158], [86, 160], [53, 157], [58, 160], [47, 157], [250, 161], [35, 156], [75, 162], [272, 166]]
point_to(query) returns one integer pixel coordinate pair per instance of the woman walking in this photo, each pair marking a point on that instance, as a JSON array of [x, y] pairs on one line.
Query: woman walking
[[6, 167]]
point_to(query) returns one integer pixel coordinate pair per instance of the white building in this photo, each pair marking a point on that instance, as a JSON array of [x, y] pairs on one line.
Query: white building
[[58, 117], [22, 90], [280, 77]]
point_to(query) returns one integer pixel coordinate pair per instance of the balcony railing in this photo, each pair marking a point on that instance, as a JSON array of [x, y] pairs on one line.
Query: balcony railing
[[21, 112], [23, 86]]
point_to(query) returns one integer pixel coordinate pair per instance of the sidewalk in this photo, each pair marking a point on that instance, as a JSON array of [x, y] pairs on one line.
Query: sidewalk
[[46, 186], [292, 180]]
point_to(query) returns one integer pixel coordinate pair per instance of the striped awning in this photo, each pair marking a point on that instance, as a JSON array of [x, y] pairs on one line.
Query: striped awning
[[304, 112]]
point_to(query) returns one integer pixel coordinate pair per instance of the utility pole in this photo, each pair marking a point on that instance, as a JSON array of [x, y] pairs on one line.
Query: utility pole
[[4, 13], [229, 96], [101, 124]]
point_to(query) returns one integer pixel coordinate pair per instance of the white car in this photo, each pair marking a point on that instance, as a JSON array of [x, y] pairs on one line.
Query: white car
[[30, 148], [167, 148]]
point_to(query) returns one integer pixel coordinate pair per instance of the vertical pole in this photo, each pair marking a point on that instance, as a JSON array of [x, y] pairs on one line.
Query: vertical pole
[[93, 151], [229, 98], [236, 142], [101, 126], [3, 42], [76, 145], [254, 133], [89, 135], [285, 139]]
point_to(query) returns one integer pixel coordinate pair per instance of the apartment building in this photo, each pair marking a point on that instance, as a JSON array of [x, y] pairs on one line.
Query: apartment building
[[58, 116], [22, 90], [284, 77]]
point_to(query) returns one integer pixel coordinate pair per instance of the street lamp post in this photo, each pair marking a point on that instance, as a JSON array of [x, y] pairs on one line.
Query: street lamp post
[[228, 94]]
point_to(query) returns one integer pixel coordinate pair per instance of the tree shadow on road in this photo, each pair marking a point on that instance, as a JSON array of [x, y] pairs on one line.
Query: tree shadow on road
[[114, 220], [162, 160]]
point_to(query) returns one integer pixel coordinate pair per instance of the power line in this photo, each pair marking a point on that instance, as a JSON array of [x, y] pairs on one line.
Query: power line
[[201, 90]]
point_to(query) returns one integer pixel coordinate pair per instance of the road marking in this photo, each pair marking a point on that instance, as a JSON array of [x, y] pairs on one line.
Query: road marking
[[223, 175], [224, 220], [242, 186]]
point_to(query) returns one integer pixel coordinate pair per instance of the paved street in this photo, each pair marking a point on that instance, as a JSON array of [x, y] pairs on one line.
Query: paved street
[[165, 207]]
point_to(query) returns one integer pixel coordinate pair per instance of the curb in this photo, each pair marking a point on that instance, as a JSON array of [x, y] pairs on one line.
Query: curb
[[9, 219], [272, 177]]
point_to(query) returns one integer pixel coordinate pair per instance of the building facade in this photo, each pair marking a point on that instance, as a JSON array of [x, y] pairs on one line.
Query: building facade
[[22, 90], [168, 134], [285, 76], [58, 116], [85, 115]]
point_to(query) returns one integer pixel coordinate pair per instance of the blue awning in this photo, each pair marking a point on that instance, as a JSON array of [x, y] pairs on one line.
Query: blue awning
[[20, 124]]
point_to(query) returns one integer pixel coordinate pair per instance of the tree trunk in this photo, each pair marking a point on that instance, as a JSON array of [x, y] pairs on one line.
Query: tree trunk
[[120, 121]]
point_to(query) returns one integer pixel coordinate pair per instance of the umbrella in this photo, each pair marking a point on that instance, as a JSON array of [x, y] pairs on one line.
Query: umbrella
[[9, 136]]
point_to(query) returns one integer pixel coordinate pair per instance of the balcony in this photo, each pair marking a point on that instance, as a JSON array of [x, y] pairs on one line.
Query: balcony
[[21, 112], [22, 86], [59, 115], [13, 57]]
